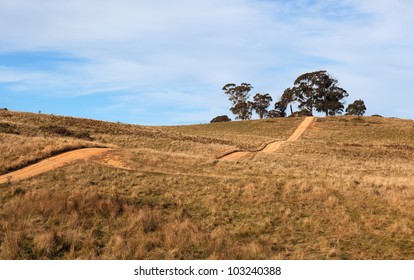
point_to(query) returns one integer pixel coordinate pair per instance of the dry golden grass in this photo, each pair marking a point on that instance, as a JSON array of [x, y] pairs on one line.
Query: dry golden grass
[[99, 133], [18, 151], [248, 135], [345, 190]]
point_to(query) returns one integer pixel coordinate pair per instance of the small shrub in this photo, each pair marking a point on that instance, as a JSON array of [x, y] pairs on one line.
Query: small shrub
[[84, 135], [59, 130], [63, 131], [358, 120], [19, 191], [301, 113], [223, 118], [149, 220], [7, 128]]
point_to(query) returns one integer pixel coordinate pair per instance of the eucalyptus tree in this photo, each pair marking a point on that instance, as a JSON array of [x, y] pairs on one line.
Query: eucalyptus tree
[[357, 108], [316, 91], [260, 104], [239, 95]]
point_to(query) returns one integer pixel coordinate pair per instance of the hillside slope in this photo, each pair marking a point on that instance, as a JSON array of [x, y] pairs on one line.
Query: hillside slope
[[343, 190]]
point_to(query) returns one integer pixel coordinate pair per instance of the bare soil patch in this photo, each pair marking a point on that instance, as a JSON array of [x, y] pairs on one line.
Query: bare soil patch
[[53, 163], [274, 146]]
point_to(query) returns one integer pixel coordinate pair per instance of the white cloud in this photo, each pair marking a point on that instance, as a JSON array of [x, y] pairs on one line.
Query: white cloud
[[185, 51]]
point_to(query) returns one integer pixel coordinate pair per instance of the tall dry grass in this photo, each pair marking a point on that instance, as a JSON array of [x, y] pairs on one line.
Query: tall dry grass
[[343, 191], [248, 135], [154, 214], [17, 151], [101, 133]]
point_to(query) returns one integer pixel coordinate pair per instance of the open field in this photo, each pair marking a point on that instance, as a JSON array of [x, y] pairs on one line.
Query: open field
[[248, 135], [343, 190]]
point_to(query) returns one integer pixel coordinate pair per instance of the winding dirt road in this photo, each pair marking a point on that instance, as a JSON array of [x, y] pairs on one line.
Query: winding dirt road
[[52, 163], [88, 154], [274, 146]]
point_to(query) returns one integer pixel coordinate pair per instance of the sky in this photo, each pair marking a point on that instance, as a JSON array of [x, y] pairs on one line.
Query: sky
[[165, 62]]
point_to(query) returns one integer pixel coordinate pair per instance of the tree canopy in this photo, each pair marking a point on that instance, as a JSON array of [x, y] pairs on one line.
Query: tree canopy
[[239, 96], [260, 104], [319, 91], [357, 108], [314, 91]]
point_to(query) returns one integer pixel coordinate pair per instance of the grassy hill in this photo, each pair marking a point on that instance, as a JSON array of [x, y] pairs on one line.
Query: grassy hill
[[344, 190]]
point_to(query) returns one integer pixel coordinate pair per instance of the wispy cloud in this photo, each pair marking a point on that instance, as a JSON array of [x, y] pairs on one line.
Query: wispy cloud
[[149, 54]]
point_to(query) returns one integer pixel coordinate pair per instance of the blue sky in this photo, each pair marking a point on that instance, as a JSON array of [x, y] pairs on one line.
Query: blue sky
[[165, 62]]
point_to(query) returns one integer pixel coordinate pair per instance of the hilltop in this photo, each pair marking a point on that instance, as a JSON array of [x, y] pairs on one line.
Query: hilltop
[[343, 190]]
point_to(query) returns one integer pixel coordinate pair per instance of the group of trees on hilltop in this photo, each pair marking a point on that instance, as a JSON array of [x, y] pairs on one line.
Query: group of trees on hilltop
[[314, 91], [242, 107]]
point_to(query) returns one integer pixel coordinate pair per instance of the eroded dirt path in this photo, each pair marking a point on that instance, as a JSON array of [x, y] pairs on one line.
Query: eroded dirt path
[[236, 155], [274, 146], [301, 129], [103, 156], [52, 163]]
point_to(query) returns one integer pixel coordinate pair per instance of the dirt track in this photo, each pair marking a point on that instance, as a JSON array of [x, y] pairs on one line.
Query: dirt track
[[52, 163], [301, 129], [236, 155], [87, 154], [274, 146]]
